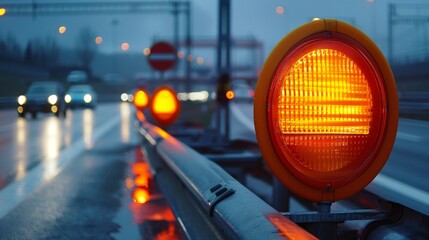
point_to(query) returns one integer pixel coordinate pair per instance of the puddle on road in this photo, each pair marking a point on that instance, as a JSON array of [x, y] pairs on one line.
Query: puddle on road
[[145, 213]]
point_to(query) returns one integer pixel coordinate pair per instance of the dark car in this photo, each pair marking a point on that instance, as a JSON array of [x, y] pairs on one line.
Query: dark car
[[46, 97]]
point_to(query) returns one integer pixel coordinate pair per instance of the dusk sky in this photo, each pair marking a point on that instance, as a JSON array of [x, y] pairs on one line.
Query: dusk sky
[[255, 18]]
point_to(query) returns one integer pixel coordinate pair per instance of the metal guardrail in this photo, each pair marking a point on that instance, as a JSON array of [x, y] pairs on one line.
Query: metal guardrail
[[226, 204]]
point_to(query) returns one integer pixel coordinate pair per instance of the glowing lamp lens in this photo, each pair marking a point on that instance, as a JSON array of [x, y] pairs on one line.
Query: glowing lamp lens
[[230, 94], [317, 97], [165, 104], [141, 99], [323, 111]]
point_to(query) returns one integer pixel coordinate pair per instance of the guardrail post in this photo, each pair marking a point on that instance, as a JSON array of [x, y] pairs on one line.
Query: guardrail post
[[323, 230], [281, 196]]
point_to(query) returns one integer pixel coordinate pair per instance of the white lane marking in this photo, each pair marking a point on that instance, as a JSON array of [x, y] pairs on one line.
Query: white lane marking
[[409, 137], [400, 188], [241, 117], [18, 190]]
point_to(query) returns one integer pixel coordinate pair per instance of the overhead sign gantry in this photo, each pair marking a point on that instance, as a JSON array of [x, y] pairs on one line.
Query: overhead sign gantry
[[176, 8]]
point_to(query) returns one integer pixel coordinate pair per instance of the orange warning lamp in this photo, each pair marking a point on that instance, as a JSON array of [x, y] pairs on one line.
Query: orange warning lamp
[[164, 107], [326, 110], [141, 99], [2, 11], [230, 94]]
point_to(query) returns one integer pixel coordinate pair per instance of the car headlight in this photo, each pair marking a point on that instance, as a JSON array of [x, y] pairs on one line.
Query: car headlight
[[87, 98], [53, 99], [124, 97], [67, 98], [22, 100], [130, 98]]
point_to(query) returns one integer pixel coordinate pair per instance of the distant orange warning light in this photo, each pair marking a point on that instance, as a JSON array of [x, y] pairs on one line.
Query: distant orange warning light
[[2, 11], [141, 99], [230, 94], [165, 106]]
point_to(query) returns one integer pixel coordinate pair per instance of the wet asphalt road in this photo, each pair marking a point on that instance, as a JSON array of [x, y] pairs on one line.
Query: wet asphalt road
[[81, 201]]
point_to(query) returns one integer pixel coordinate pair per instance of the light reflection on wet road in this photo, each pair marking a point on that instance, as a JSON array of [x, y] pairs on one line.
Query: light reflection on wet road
[[25, 143], [39, 141], [149, 209], [45, 166]]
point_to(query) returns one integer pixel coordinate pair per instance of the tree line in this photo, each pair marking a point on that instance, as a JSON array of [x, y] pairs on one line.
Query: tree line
[[45, 52]]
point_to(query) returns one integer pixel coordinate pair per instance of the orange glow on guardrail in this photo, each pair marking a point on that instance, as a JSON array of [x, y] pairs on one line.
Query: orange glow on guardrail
[[289, 229]]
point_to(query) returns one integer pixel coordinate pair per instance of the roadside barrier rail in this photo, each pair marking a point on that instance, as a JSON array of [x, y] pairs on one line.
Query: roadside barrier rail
[[233, 209]]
